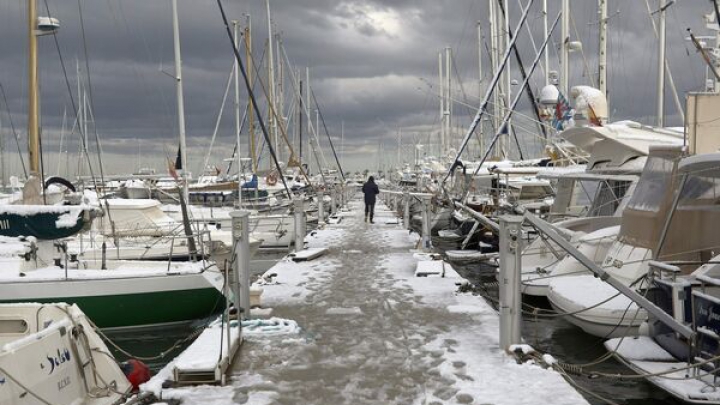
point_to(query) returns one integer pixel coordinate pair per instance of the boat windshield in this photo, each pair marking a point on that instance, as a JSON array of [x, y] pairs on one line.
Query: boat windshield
[[584, 192], [653, 185], [609, 195], [645, 215], [693, 226], [700, 190], [535, 192]]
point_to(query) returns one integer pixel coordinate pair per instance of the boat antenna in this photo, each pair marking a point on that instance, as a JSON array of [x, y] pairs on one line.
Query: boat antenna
[[251, 94]]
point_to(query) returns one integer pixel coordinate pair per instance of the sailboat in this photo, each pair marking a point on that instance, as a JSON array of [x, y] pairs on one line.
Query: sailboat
[[114, 294], [51, 354]]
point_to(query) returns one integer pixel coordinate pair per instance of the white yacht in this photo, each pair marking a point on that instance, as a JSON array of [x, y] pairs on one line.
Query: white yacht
[[50, 353]]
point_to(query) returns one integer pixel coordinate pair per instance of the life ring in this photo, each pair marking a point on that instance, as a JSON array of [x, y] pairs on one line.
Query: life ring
[[271, 179]]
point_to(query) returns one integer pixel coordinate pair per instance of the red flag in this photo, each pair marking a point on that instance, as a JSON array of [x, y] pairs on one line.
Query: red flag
[[171, 169]]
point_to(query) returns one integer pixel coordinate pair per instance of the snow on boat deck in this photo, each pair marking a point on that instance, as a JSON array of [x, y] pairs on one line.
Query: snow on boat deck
[[644, 356], [370, 332]]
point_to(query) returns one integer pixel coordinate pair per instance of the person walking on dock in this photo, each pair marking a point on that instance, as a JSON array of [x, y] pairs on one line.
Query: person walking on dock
[[370, 189]]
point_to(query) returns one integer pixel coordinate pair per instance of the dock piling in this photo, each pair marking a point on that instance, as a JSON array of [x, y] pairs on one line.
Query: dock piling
[[426, 241], [406, 210], [321, 208], [333, 200], [241, 272], [300, 224], [510, 266]]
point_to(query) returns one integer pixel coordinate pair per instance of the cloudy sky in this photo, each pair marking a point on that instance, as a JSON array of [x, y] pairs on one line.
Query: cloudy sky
[[373, 67]]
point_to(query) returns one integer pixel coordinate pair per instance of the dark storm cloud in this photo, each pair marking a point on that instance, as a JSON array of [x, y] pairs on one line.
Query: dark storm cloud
[[373, 65]]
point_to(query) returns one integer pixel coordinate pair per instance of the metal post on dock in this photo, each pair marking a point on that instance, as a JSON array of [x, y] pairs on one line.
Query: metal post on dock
[[241, 271], [333, 200], [321, 208], [426, 241], [344, 197], [300, 224], [406, 210], [510, 266]]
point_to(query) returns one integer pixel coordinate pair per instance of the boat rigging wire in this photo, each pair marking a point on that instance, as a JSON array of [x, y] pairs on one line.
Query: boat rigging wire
[[90, 88], [513, 105], [12, 127], [251, 94], [491, 88], [322, 119], [72, 100], [217, 122], [304, 111], [671, 80], [279, 119], [523, 73]]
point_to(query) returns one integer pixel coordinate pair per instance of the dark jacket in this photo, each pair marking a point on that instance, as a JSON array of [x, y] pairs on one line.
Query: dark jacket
[[370, 189]]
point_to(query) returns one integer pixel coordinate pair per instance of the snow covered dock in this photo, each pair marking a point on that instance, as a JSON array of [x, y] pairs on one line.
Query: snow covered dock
[[356, 326]]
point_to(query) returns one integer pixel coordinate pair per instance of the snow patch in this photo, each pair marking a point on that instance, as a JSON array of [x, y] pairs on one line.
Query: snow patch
[[67, 220], [261, 328], [465, 309], [344, 311]]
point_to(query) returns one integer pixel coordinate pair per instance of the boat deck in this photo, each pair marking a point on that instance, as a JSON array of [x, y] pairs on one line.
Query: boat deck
[[360, 328]]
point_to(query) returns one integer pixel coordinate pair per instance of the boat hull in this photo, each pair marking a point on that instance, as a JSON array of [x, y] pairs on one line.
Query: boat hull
[[610, 319], [49, 359], [127, 303], [674, 378]]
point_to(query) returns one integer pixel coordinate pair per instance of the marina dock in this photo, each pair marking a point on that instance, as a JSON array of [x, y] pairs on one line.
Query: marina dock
[[357, 326]]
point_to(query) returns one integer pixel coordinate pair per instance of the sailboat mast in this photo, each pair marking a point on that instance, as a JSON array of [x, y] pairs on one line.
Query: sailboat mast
[[494, 59], [33, 102], [448, 101], [545, 32], [80, 119], [480, 82], [503, 25], [565, 48], [271, 81], [184, 197], [508, 78], [442, 104], [237, 113], [84, 117], [301, 106], [661, 67], [307, 113], [180, 100], [602, 49], [250, 114], [280, 92]]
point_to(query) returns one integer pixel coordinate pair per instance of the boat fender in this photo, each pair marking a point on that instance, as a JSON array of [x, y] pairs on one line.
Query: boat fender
[[59, 180], [136, 372]]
